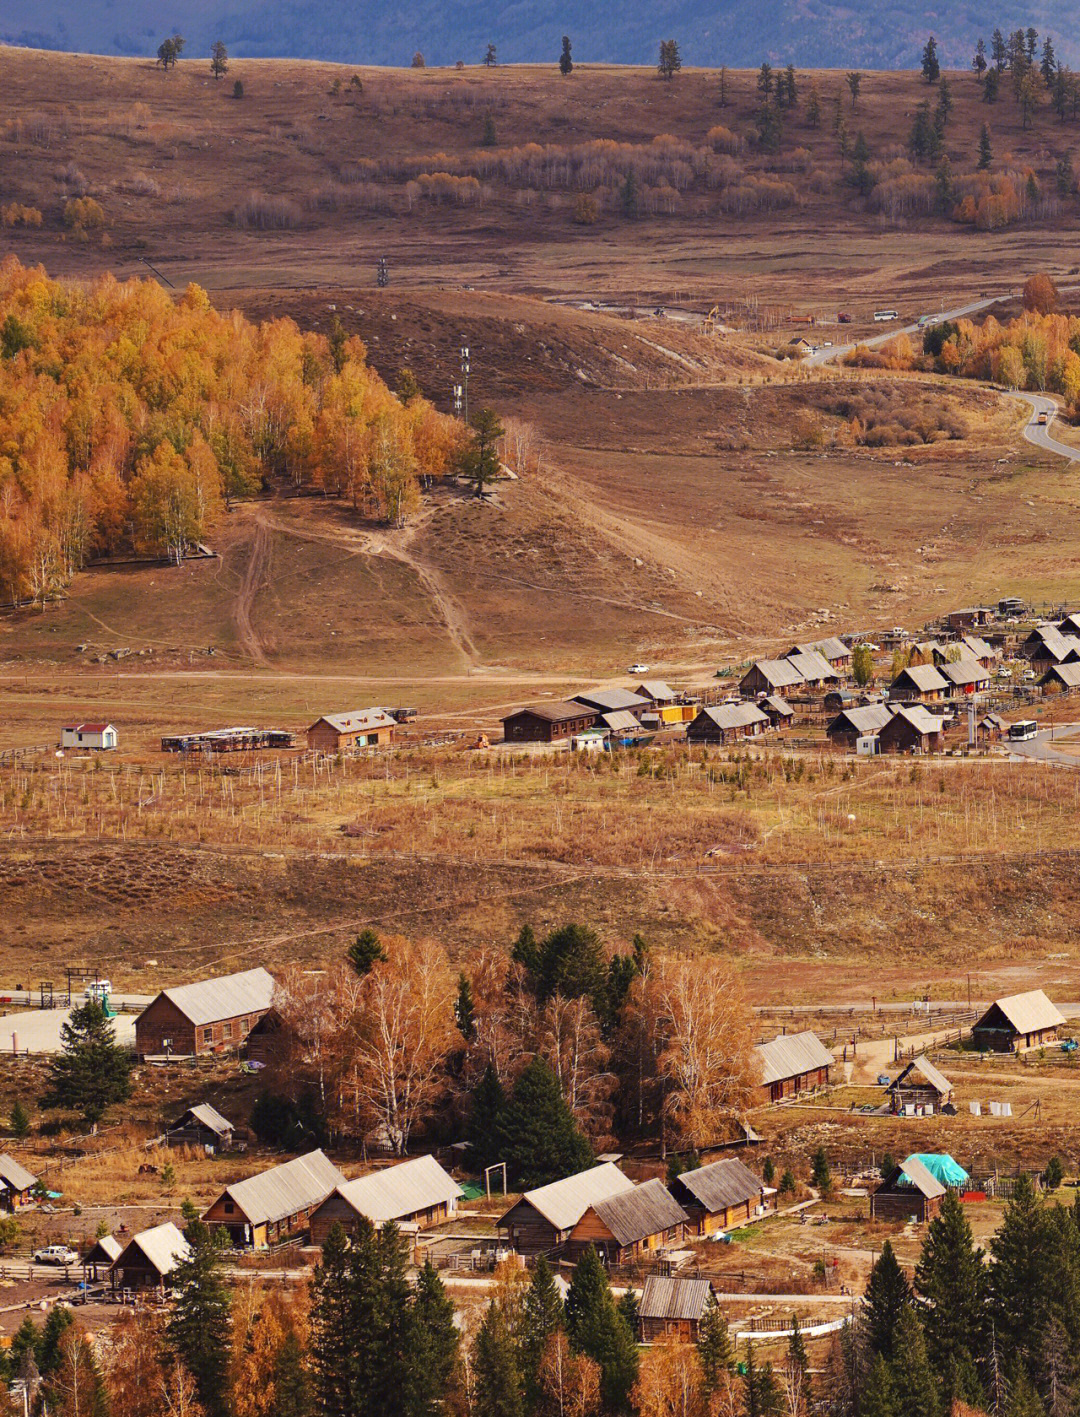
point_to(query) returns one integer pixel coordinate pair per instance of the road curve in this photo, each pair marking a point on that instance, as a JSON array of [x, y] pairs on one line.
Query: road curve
[[1039, 433], [826, 356]]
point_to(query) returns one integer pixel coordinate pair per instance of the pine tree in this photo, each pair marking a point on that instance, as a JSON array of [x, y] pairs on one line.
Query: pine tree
[[1022, 1399], [878, 1397], [199, 1328], [998, 51], [465, 1009], [48, 1344], [496, 1377], [992, 86], [566, 64], [478, 461], [714, 1347], [366, 950], [854, 83], [761, 1394], [490, 56], [1048, 66], [219, 60], [291, 1382], [485, 1117], [798, 1362], [92, 1071], [944, 106], [978, 63], [537, 1135], [542, 1314], [765, 80], [931, 67], [986, 152], [790, 89], [819, 1171], [670, 61], [596, 1328], [432, 1353], [888, 1298], [813, 107], [913, 1378], [526, 950], [950, 1280], [1017, 1278], [20, 1120], [722, 97]]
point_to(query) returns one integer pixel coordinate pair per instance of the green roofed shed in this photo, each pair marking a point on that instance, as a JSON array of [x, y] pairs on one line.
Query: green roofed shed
[[943, 1168]]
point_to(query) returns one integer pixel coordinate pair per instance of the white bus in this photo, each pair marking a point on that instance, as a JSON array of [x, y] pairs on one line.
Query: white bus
[[1023, 729], [882, 315]]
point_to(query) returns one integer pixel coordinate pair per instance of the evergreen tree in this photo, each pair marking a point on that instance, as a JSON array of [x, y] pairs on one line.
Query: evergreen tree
[[542, 1315], [921, 141], [490, 137], [791, 92], [931, 66], [537, 1135], [888, 1297], [1022, 1400], [1065, 176], [366, 950], [860, 174], [465, 1009], [92, 1071], [1048, 66], [526, 950], [998, 51], [1018, 1276], [490, 59], [943, 182], [383, 1306], [292, 1388], [47, 1345], [199, 1327], [978, 63], [992, 86], [913, 1378], [878, 1395], [219, 60], [571, 962], [813, 108], [722, 96], [1031, 43], [765, 81], [854, 83], [819, 1171], [628, 1309], [20, 1120], [485, 1117], [798, 1362], [944, 106], [596, 1328], [478, 461], [761, 1395], [331, 1327], [496, 1377], [670, 61], [950, 1281], [986, 152], [714, 1347], [432, 1353], [1061, 90], [566, 64]]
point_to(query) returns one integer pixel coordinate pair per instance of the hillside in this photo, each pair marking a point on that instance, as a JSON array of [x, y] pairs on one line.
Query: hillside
[[822, 34]]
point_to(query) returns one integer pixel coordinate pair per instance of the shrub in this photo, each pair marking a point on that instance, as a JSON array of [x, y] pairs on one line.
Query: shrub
[[238, 89], [418, 60], [723, 140], [586, 210], [83, 214], [141, 185], [17, 215], [261, 212], [73, 179]]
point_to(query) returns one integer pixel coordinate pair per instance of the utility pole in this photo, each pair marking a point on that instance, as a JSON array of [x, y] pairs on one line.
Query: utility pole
[[457, 399], [382, 274], [465, 377]]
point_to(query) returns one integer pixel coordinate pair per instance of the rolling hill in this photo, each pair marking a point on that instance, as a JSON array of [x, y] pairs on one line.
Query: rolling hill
[[817, 33]]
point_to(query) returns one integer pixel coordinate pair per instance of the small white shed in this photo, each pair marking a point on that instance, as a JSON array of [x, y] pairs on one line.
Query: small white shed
[[88, 735]]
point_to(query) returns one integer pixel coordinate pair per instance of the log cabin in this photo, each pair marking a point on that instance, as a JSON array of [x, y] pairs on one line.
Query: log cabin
[[920, 1090], [213, 1016], [719, 1195], [626, 1226], [907, 1192], [790, 1064], [542, 1220], [670, 1310], [149, 1258], [417, 1192], [1017, 1023], [275, 1205]]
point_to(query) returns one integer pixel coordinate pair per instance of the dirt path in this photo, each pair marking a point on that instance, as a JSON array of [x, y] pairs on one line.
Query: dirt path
[[256, 576]]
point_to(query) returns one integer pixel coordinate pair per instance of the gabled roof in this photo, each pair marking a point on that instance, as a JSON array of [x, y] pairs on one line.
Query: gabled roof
[[965, 671], [228, 996], [208, 1117], [15, 1175], [870, 718], [1070, 625], [643, 1210], [668, 1298], [563, 1203], [779, 673], [621, 721], [778, 705], [832, 648], [103, 1251], [995, 720], [163, 1248], [607, 700], [287, 1189], [925, 1067], [977, 646], [728, 716], [720, 1184], [915, 1174], [400, 1190], [555, 711], [365, 720], [1058, 646], [921, 719], [94, 727], [925, 678], [812, 665], [792, 1054], [1067, 674], [654, 689], [1027, 1013]]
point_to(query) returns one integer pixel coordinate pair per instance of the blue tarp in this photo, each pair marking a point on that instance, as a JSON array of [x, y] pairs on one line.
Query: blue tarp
[[943, 1168]]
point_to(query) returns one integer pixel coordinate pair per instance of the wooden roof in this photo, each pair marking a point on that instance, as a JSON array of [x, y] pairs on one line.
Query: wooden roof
[[720, 1184], [791, 1055], [644, 1210], [668, 1298]]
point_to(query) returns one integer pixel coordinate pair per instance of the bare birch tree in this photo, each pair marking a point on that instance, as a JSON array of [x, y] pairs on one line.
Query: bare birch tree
[[569, 1381], [669, 1383], [570, 1042]]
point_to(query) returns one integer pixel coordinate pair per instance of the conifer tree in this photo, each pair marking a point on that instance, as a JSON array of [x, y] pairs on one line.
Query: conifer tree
[[1017, 1276], [465, 1009], [1048, 66], [485, 1117], [538, 1137], [714, 1347], [913, 1378], [790, 89], [986, 152], [20, 1120], [596, 1328], [331, 1327], [950, 1281], [819, 1171], [496, 1376], [542, 1314], [888, 1297], [931, 67], [978, 63], [47, 1347], [878, 1395], [219, 59], [798, 1362], [761, 1393], [200, 1325], [432, 1352], [92, 1071], [566, 63], [998, 50], [366, 950], [1022, 1400], [291, 1382]]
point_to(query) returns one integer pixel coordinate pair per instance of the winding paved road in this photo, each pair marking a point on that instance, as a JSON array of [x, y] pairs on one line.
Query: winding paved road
[[826, 356], [1039, 433], [1041, 749]]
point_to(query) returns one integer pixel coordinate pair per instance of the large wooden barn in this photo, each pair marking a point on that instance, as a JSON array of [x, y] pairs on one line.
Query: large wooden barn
[[1017, 1023], [626, 1226], [790, 1064], [547, 723], [417, 1192], [909, 1191], [716, 1196], [275, 1205], [214, 1016], [544, 1218]]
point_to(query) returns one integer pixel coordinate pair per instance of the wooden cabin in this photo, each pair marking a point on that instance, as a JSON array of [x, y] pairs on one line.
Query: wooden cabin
[[213, 1016], [417, 1192], [203, 1126], [275, 1205], [727, 723], [670, 1310], [919, 683], [967, 676], [626, 1226], [547, 723], [851, 724], [1065, 678], [815, 669], [347, 732], [100, 1258], [719, 1195], [791, 1064], [911, 729], [969, 617], [1017, 1023], [908, 1192], [920, 1090], [834, 651], [543, 1219], [149, 1258], [603, 701], [16, 1184], [769, 676], [777, 710]]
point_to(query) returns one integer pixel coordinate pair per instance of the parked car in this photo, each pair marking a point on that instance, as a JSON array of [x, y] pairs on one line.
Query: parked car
[[56, 1254], [1004, 673], [1029, 675], [638, 669]]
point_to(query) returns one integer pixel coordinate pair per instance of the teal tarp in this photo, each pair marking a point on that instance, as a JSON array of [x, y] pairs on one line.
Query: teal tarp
[[943, 1168]]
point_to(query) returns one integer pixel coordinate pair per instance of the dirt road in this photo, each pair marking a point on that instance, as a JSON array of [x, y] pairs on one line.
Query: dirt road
[[256, 576]]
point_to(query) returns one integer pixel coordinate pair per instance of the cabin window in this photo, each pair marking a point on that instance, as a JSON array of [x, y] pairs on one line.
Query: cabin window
[[227, 1030], [208, 1035], [229, 1208]]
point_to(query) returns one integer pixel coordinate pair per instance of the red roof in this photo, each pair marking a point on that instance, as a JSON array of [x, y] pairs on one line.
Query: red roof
[[86, 727]]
